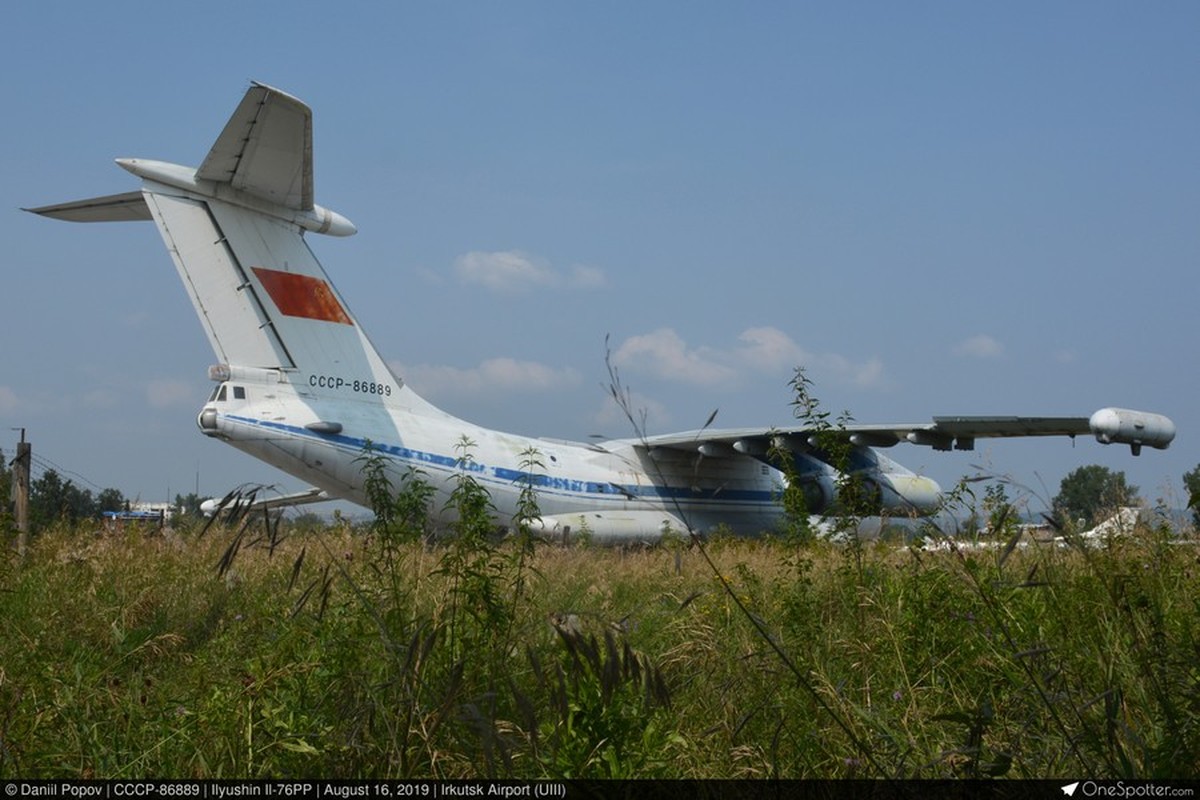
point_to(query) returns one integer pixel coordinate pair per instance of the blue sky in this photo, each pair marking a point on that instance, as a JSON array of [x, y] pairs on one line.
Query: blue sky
[[937, 208]]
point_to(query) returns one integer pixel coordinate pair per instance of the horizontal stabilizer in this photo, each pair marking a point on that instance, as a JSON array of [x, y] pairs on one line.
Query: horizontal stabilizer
[[130, 206], [266, 150]]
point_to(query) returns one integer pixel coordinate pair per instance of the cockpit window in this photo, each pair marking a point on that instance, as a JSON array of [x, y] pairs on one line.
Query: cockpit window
[[221, 393]]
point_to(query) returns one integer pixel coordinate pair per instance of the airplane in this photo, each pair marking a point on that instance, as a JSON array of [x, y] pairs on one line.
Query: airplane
[[300, 386]]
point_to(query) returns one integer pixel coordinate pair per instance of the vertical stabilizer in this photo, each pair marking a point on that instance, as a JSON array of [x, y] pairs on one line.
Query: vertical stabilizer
[[235, 230], [239, 326]]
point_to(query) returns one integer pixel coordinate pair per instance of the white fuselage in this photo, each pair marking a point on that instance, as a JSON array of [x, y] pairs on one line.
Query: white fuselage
[[616, 491]]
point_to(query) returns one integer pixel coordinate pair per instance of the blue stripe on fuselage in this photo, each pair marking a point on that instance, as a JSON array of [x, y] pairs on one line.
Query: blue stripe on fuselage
[[510, 476]]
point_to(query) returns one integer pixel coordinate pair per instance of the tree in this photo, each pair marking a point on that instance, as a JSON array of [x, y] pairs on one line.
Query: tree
[[189, 505], [110, 500], [1191, 482], [6, 495], [51, 499], [1002, 517], [1089, 492]]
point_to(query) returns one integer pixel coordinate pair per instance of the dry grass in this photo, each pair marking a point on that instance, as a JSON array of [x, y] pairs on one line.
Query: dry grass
[[132, 656]]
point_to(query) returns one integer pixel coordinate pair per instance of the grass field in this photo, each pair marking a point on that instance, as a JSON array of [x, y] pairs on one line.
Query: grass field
[[247, 652]]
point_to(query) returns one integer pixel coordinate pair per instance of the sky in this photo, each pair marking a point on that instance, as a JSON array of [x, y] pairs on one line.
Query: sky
[[933, 207]]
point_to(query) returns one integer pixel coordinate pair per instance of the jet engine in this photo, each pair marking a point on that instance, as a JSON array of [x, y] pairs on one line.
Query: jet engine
[[904, 493], [820, 491], [887, 486]]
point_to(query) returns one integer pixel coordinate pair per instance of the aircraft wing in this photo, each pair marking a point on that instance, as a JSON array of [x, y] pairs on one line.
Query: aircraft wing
[[1108, 425], [243, 501], [266, 149]]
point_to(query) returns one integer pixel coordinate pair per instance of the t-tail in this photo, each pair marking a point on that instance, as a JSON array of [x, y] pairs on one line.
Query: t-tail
[[235, 230]]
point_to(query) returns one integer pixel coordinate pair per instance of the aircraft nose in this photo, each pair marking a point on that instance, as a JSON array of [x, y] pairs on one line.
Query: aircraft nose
[[208, 421]]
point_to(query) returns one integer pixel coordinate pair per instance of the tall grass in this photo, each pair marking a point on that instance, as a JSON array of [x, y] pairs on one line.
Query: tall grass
[[254, 650], [364, 653]]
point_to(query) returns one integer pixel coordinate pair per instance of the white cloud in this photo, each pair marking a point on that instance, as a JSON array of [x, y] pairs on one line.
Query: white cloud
[[429, 276], [763, 350], [649, 414], [1064, 356], [163, 393], [506, 271], [981, 346], [586, 277], [494, 375], [866, 375], [770, 350], [514, 271], [8, 399], [664, 353]]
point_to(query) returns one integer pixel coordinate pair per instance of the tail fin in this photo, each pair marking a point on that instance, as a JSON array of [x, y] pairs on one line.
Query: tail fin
[[234, 228]]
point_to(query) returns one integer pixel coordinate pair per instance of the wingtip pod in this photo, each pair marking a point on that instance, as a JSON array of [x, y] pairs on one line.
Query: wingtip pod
[[1134, 428], [331, 223]]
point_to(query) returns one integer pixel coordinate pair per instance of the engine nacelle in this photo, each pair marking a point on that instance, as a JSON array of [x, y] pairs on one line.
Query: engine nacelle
[[1134, 428], [906, 494], [820, 493], [887, 487], [895, 493]]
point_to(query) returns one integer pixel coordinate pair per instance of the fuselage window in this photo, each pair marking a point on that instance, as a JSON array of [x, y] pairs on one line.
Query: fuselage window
[[239, 393]]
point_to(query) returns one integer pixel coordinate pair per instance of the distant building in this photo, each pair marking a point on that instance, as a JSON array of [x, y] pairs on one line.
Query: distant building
[[145, 516]]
